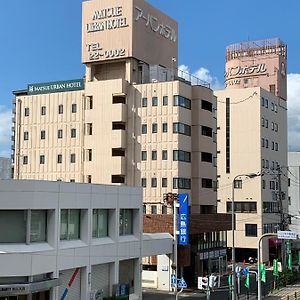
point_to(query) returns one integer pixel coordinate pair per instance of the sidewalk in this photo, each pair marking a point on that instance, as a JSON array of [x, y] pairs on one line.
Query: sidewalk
[[283, 293]]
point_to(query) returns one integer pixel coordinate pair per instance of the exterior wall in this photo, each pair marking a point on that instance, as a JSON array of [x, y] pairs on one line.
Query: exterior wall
[[51, 146], [247, 153], [56, 256], [294, 189], [5, 168]]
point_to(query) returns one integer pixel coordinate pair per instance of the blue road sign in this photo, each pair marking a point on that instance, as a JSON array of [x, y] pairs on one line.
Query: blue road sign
[[245, 271], [173, 280], [183, 219], [181, 284]]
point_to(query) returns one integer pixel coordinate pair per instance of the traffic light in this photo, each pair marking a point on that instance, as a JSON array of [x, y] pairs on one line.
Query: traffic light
[[202, 283], [212, 281]]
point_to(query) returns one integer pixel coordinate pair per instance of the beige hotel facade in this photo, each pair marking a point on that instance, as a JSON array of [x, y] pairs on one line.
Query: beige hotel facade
[[252, 138], [131, 120]]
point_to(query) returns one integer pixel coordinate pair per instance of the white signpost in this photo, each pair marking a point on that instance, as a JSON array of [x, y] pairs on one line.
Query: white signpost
[[287, 235]]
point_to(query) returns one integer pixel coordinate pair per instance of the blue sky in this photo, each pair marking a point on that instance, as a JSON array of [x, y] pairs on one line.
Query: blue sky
[[41, 41]]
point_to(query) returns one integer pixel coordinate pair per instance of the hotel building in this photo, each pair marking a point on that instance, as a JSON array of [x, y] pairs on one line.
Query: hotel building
[[131, 121], [252, 138]]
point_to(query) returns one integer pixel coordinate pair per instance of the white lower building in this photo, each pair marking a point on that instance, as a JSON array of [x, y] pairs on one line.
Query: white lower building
[[74, 239]]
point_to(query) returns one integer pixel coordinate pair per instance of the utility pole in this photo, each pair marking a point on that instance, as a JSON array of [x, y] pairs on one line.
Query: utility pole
[[282, 216]]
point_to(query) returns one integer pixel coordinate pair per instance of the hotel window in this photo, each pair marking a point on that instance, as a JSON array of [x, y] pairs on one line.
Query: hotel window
[[60, 108], [263, 184], [88, 179], [59, 158], [43, 110], [165, 100], [38, 226], [276, 146], [207, 183], [273, 145], [272, 126], [238, 184], [267, 143], [89, 102], [267, 164], [272, 88], [25, 160], [263, 122], [74, 108], [154, 155], [144, 209], [154, 128], [266, 123], [262, 142], [242, 207], [89, 154], [164, 209], [154, 182], [144, 182], [43, 134], [164, 154], [206, 157], [266, 103], [164, 182], [182, 102], [263, 163], [154, 101], [207, 131], [165, 127], [26, 135], [144, 155], [272, 106], [59, 133], [153, 209], [72, 158], [262, 101], [42, 159], [144, 128], [180, 155], [275, 108], [251, 230], [206, 105], [126, 222], [73, 132], [100, 223], [72, 180], [70, 224], [144, 102], [182, 183], [89, 128], [182, 128], [26, 111], [276, 127]]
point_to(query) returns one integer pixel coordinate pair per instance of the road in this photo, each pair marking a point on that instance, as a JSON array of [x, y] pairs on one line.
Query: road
[[217, 295]]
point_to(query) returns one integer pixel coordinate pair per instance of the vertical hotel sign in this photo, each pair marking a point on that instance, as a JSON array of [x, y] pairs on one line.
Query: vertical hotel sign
[[183, 219]]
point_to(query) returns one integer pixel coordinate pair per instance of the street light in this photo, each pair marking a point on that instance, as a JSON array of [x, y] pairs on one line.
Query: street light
[[250, 175]]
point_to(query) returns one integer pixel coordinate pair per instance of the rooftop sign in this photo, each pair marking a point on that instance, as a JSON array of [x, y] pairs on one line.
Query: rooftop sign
[[55, 87]]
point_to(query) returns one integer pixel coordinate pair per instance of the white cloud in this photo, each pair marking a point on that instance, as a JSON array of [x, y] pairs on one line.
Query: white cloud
[[202, 74], [293, 91], [5, 131]]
